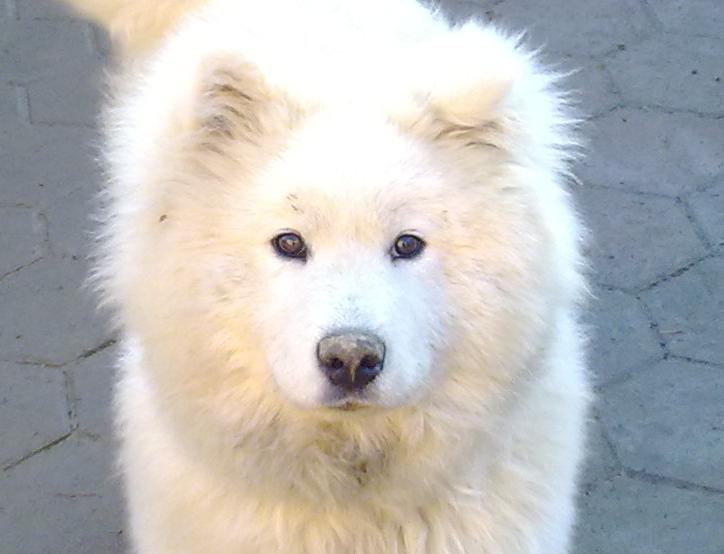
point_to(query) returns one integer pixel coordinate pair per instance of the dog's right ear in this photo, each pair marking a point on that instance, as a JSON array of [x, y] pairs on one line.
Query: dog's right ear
[[234, 104], [136, 25]]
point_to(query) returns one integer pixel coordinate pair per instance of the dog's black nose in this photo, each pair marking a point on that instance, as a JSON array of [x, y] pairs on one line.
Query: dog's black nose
[[351, 359]]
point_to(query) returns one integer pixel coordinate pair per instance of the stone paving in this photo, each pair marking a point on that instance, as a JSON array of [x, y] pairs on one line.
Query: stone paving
[[652, 191]]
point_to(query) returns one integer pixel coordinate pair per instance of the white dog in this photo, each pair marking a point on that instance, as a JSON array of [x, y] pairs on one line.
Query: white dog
[[347, 274]]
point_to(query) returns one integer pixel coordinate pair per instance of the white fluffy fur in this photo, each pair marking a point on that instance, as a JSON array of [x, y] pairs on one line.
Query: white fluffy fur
[[349, 122]]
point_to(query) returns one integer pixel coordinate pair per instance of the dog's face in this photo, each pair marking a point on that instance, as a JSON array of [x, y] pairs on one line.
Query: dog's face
[[357, 256], [344, 231]]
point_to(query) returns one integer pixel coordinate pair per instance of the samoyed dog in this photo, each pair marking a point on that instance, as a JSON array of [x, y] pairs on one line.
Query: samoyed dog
[[346, 271]]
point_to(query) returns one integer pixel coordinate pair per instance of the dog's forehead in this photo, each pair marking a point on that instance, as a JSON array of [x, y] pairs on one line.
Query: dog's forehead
[[351, 159], [362, 206]]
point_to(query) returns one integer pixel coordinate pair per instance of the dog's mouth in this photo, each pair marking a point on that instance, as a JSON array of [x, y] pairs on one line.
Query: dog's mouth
[[353, 402], [351, 406]]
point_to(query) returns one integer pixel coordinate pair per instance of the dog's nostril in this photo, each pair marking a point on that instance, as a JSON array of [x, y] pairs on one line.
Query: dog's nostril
[[369, 362], [351, 360]]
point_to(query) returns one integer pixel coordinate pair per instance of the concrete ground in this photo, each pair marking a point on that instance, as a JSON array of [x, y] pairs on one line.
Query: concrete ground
[[652, 192]]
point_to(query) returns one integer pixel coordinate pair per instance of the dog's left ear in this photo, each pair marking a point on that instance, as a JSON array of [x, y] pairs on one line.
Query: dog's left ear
[[464, 87]]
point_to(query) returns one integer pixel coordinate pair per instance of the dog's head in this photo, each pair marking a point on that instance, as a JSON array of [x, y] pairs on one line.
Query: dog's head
[[344, 246]]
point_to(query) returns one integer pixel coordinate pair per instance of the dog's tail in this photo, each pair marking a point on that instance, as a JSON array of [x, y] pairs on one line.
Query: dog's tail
[[135, 25]]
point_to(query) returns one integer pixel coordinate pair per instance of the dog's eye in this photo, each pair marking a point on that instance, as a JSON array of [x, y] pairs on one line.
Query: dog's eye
[[290, 245], [407, 246]]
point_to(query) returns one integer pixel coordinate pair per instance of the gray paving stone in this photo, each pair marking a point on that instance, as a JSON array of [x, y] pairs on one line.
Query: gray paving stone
[[46, 316], [22, 238], [708, 209], [688, 310], [43, 9], [625, 516], [8, 9], [70, 223], [584, 27], [93, 380], [673, 71], [600, 463], [70, 98], [690, 17], [669, 421], [635, 237], [653, 151], [33, 409], [62, 501], [621, 335], [53, 45], [41, 164], [8, 101], [591, 83], [101, 42]]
